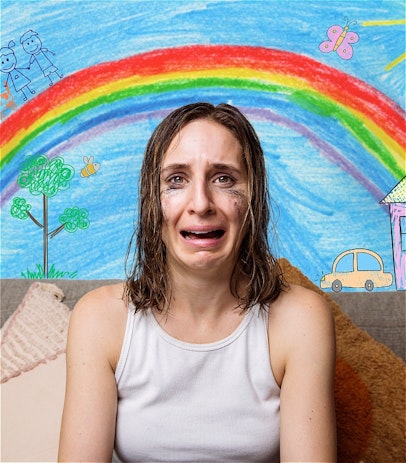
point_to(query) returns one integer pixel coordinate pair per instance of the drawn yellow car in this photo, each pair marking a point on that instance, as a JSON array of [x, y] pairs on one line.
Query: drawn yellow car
[[357, 268]]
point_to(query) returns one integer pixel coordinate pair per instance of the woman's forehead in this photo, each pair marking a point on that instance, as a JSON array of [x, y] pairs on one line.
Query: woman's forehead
[[203, 137]]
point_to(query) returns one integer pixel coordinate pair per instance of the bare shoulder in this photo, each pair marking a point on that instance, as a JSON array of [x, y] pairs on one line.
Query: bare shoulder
[[100, 302], [301, 325], [304, 312], [98, 320], [298, 303]]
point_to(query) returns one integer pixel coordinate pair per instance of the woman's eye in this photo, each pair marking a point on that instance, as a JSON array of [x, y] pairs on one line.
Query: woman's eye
[[176, 180], [224, 179]]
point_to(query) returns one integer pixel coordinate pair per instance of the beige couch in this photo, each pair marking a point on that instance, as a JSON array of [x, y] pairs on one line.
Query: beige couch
[[369, 382]]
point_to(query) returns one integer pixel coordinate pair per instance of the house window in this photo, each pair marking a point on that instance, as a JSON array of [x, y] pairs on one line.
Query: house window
[[403, 233]]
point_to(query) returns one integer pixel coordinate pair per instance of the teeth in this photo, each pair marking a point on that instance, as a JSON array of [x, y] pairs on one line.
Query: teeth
[[209, 234]]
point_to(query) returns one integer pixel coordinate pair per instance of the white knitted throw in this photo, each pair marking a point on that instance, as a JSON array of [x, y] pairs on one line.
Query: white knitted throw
[[36, 332]]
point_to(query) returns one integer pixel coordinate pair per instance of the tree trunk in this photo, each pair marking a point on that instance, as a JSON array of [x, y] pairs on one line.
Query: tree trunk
[[45, 234]]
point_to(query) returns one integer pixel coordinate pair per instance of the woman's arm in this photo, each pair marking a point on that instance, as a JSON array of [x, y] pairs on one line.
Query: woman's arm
[[308, 427], [94, 341]]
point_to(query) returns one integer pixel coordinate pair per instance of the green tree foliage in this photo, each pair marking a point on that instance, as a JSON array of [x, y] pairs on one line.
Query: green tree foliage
[[20, 208], [47, 177]]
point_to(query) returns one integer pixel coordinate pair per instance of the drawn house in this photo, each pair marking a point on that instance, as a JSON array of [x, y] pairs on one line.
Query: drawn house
[[396, 199]]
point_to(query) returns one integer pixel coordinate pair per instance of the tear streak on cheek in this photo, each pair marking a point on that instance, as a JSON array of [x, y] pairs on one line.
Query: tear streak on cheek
[[241, 202]]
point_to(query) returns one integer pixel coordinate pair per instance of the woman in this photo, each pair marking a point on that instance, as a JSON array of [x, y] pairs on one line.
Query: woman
[[205, 354]]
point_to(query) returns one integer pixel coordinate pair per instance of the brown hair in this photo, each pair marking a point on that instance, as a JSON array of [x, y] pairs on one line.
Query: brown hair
[[148, 283]]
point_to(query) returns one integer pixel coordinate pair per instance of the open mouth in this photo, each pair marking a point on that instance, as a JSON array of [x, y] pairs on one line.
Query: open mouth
[[213, 234]]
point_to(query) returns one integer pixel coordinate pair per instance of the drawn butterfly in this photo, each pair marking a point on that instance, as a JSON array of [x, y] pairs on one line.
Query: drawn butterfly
[[340, 40]]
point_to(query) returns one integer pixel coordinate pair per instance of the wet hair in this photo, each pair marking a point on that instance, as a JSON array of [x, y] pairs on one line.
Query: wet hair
[[257, 277]]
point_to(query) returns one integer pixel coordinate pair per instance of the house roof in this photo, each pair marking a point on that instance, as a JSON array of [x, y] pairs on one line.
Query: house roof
[[397, 194]]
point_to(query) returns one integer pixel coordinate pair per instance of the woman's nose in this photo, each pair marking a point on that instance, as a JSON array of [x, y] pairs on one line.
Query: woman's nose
[[201, 202]]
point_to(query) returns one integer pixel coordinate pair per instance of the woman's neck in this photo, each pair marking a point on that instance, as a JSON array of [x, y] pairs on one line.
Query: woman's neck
[[201, 293], [201, 310]]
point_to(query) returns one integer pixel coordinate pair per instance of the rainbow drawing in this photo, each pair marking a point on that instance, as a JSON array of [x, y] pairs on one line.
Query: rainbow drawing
[[257, 79]]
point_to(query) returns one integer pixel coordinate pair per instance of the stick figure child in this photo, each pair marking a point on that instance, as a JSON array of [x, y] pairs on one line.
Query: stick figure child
[[18, 80], [33, 46]]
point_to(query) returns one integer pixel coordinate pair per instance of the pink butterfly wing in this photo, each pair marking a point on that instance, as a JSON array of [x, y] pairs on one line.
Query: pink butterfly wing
[[352, 37], [345, 50], [333, 34]]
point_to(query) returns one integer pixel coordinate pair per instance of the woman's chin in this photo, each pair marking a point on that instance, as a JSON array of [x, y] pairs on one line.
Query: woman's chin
[[208, 262]]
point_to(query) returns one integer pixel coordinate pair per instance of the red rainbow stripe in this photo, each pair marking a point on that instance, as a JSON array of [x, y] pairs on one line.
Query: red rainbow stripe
[[336, 85]]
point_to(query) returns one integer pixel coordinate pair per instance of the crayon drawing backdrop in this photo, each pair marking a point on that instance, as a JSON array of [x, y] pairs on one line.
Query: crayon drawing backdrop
[[105, 74]]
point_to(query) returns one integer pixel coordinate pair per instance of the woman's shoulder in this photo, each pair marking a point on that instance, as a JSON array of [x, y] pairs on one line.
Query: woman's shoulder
[[99, 319], [296, 300], [103, 307], [303, 310], [300, 325], [100, 301]]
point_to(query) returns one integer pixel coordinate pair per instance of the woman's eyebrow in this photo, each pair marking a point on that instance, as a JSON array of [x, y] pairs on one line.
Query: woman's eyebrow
[[228, 167], [175, 166]]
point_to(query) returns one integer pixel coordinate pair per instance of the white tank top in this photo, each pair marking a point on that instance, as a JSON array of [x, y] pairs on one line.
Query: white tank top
[[183, 402]]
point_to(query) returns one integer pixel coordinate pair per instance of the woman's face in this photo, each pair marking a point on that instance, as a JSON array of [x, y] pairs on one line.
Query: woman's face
[[203, 188]]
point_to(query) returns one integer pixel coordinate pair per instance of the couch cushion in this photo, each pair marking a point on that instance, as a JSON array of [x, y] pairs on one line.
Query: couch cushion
[[36, 332], [33, 375], [380, 314], [31, 413], [369, 390]]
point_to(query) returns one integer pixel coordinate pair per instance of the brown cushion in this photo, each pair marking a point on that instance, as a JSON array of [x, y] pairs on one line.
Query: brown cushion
[[369, 389]]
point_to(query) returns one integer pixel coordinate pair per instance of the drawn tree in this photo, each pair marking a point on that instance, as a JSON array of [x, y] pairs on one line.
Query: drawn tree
[[47, 177]]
